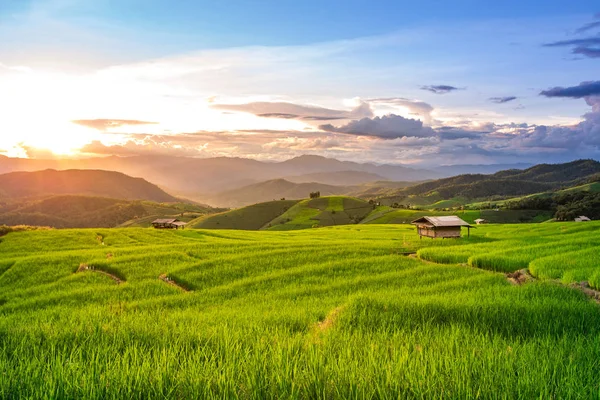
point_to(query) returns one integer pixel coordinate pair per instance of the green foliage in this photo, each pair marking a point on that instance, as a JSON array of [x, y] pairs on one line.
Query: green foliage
[[5, 229], [252, 217], [565, 205], [88, 212], [459, 189], [549, 251], [323, 211], [334, 312]]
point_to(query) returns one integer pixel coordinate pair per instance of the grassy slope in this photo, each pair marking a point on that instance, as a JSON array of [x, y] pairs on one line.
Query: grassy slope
[[328, 313], [182, 211], [324, 211], [247, 218], [589, 187], [71, 211]]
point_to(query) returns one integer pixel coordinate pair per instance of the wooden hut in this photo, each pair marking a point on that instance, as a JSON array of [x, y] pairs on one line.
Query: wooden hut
[[441, 227], [168, 223], [582, 218], [480, 221]]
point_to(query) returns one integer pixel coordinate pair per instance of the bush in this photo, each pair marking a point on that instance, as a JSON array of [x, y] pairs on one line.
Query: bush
[[5, 230]]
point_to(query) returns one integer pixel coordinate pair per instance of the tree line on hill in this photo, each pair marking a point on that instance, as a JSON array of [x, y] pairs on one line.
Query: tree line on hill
[[537, 179], [565, 206]]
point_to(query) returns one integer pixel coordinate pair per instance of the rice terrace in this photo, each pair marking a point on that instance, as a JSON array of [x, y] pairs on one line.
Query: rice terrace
[[336, 312], [299, 200]]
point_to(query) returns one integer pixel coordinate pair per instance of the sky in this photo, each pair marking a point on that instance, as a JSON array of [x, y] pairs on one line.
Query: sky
[[420, 83]]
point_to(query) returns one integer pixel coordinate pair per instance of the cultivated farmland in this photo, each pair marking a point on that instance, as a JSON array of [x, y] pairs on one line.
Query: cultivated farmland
[[335, 312]]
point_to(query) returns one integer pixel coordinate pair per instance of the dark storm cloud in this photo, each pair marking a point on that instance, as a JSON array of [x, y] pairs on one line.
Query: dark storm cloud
[[500, 100], [591, 52], [387, 127], [452, 133], [584, 89], [439, 89]]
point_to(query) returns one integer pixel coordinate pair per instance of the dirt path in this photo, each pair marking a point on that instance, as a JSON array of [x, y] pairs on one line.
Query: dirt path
[[519, 277], [85, 267], [585, 288], [317, 330], [171, 282], [329, 320]]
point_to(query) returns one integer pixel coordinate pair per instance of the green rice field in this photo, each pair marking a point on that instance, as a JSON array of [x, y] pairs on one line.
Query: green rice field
[[337, 312]]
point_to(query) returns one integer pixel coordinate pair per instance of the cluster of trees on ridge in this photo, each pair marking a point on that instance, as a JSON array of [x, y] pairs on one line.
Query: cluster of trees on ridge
[[565, 206], [537, 179]]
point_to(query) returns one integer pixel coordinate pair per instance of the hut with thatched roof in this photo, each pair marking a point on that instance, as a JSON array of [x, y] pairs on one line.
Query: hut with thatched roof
[[441, 227]]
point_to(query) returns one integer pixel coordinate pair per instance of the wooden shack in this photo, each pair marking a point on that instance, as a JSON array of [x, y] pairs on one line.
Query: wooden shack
[[582, 218], [441, 227], [168, 223], [481, 221]]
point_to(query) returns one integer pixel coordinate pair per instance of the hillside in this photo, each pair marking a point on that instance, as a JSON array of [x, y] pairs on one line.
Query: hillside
[[289, 214], [252, 217], [72, 211], [338, 312], [324, 211], [80, 182], [388, 215], [503, 184], [273, 190]]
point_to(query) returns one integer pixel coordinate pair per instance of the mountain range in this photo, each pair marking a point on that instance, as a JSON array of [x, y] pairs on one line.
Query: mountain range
[[82, 198], [200, 178]]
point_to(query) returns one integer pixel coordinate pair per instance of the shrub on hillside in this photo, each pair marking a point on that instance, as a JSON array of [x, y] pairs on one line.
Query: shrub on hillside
[[5, 229]]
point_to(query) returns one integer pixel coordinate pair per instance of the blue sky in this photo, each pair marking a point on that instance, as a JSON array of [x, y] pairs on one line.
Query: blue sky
[[255, 78]]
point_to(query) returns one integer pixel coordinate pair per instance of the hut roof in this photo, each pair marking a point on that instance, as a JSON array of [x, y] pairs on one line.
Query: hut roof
[[165, 221], [450, 220], [479, 220], [582, 218], [179, 223]]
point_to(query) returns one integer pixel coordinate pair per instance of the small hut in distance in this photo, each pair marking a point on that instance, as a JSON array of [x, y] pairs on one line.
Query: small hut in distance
[[480, 221], [441, 227], [168, 223], [582, 218]]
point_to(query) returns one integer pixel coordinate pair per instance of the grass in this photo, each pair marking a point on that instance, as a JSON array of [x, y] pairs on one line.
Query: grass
[[549, 251], [252, 217], [335, 312], [324, 211], [388, 215]]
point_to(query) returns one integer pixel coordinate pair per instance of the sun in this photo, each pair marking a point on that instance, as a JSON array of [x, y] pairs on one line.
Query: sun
[[61, 138]]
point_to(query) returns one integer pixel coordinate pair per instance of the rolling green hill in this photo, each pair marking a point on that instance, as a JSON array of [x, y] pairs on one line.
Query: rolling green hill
[[286, 215], [337, 312], [324, 211], [252, 217], [289, 214], [90, 212], [463, 189]]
